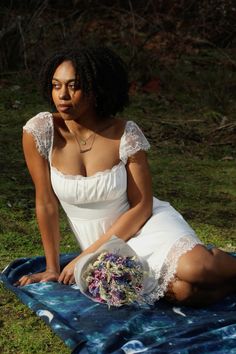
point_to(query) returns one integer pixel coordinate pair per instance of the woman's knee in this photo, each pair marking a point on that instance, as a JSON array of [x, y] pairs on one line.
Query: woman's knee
[[197, 266]]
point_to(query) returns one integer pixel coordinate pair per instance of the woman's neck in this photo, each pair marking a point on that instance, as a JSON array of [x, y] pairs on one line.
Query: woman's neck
[[83, 125]]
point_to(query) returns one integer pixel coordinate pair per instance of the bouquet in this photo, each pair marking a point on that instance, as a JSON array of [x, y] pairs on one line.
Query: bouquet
[[114, 279], [114, 274]]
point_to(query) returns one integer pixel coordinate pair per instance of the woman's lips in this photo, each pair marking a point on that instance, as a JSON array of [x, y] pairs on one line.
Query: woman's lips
[[64, 107]]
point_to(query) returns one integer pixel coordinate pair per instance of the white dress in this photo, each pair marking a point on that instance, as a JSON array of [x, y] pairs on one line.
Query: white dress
[[92, 204]]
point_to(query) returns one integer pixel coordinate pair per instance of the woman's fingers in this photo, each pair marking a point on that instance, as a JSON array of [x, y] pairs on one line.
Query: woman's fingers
[[72, 280], [36, 278], [67, 274], [66, 277], [61, 277], [25, 280]]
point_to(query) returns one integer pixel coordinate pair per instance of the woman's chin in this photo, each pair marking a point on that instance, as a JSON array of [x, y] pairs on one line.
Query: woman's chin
[[66, 115]]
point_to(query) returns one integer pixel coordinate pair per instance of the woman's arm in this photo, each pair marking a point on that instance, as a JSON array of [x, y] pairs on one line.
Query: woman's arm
[[139, 189], [139, 193], [46, 211]]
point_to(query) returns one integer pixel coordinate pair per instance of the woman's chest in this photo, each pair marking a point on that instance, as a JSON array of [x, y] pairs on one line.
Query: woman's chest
[[74, 158]]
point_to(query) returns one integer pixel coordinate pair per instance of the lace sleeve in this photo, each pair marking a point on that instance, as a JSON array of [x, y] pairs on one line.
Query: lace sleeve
[[41, 128], [132, 141]]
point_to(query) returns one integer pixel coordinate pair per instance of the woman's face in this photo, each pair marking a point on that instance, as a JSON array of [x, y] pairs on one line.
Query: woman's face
[[67, 96]]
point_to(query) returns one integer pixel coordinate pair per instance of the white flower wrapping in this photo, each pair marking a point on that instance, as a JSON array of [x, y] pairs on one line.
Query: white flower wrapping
[[114, 274]]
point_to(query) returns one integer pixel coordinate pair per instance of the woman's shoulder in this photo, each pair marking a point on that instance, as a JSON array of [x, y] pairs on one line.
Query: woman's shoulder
[[40, 121], [41, 128], [132, 126], [132, 140], [126, 126], [133, 131]]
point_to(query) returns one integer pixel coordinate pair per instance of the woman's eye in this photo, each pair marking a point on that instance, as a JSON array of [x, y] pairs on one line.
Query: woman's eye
[[56, 86], [74, 86]]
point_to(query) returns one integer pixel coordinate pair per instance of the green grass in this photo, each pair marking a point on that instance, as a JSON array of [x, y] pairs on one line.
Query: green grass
[[192, 163], [22, 332]]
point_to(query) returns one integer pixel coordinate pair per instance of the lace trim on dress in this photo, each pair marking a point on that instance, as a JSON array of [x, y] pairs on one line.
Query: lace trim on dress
[[132, 141], [168, 269], [41, 128]]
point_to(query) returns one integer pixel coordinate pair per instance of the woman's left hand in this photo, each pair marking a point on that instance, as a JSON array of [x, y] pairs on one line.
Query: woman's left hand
[[67, 274], [48, 275]]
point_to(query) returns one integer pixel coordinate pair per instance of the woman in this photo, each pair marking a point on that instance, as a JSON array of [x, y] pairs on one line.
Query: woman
[[95, 165]]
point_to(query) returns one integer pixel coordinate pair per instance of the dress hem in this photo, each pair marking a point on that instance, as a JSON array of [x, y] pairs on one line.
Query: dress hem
[[168, 270]]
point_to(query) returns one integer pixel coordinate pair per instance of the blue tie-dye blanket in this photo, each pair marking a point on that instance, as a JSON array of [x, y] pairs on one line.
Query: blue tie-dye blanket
[[88, 327]]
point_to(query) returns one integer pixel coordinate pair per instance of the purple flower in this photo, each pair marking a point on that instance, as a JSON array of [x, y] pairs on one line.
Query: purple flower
[[114, 279]]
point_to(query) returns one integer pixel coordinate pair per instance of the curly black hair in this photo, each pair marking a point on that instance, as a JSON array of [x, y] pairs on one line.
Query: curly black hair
[[100, 71]]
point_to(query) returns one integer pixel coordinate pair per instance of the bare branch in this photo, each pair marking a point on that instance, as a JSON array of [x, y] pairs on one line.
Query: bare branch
[[23, 41]]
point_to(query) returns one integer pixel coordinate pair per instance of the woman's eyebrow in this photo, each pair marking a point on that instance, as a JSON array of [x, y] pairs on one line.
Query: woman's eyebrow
[[67, 81]]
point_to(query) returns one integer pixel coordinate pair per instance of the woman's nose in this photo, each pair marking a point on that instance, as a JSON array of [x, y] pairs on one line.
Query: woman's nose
[[64, 94]]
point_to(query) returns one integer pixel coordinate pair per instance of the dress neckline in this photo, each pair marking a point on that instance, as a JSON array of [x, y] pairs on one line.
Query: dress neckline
[[78, 176], [95, 175]]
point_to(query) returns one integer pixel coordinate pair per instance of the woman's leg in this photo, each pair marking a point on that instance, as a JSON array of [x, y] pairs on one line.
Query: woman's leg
[[203, 277], [183, 293], [206, 267]]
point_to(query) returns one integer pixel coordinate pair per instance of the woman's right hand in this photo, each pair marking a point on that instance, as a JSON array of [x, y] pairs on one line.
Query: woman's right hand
[[48, 275]]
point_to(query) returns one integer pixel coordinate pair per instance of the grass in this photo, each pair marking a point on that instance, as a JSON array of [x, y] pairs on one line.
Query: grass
[[192, 163]]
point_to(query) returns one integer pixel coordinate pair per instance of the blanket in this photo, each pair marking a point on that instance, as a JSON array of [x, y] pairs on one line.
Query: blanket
[[92, 328]]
